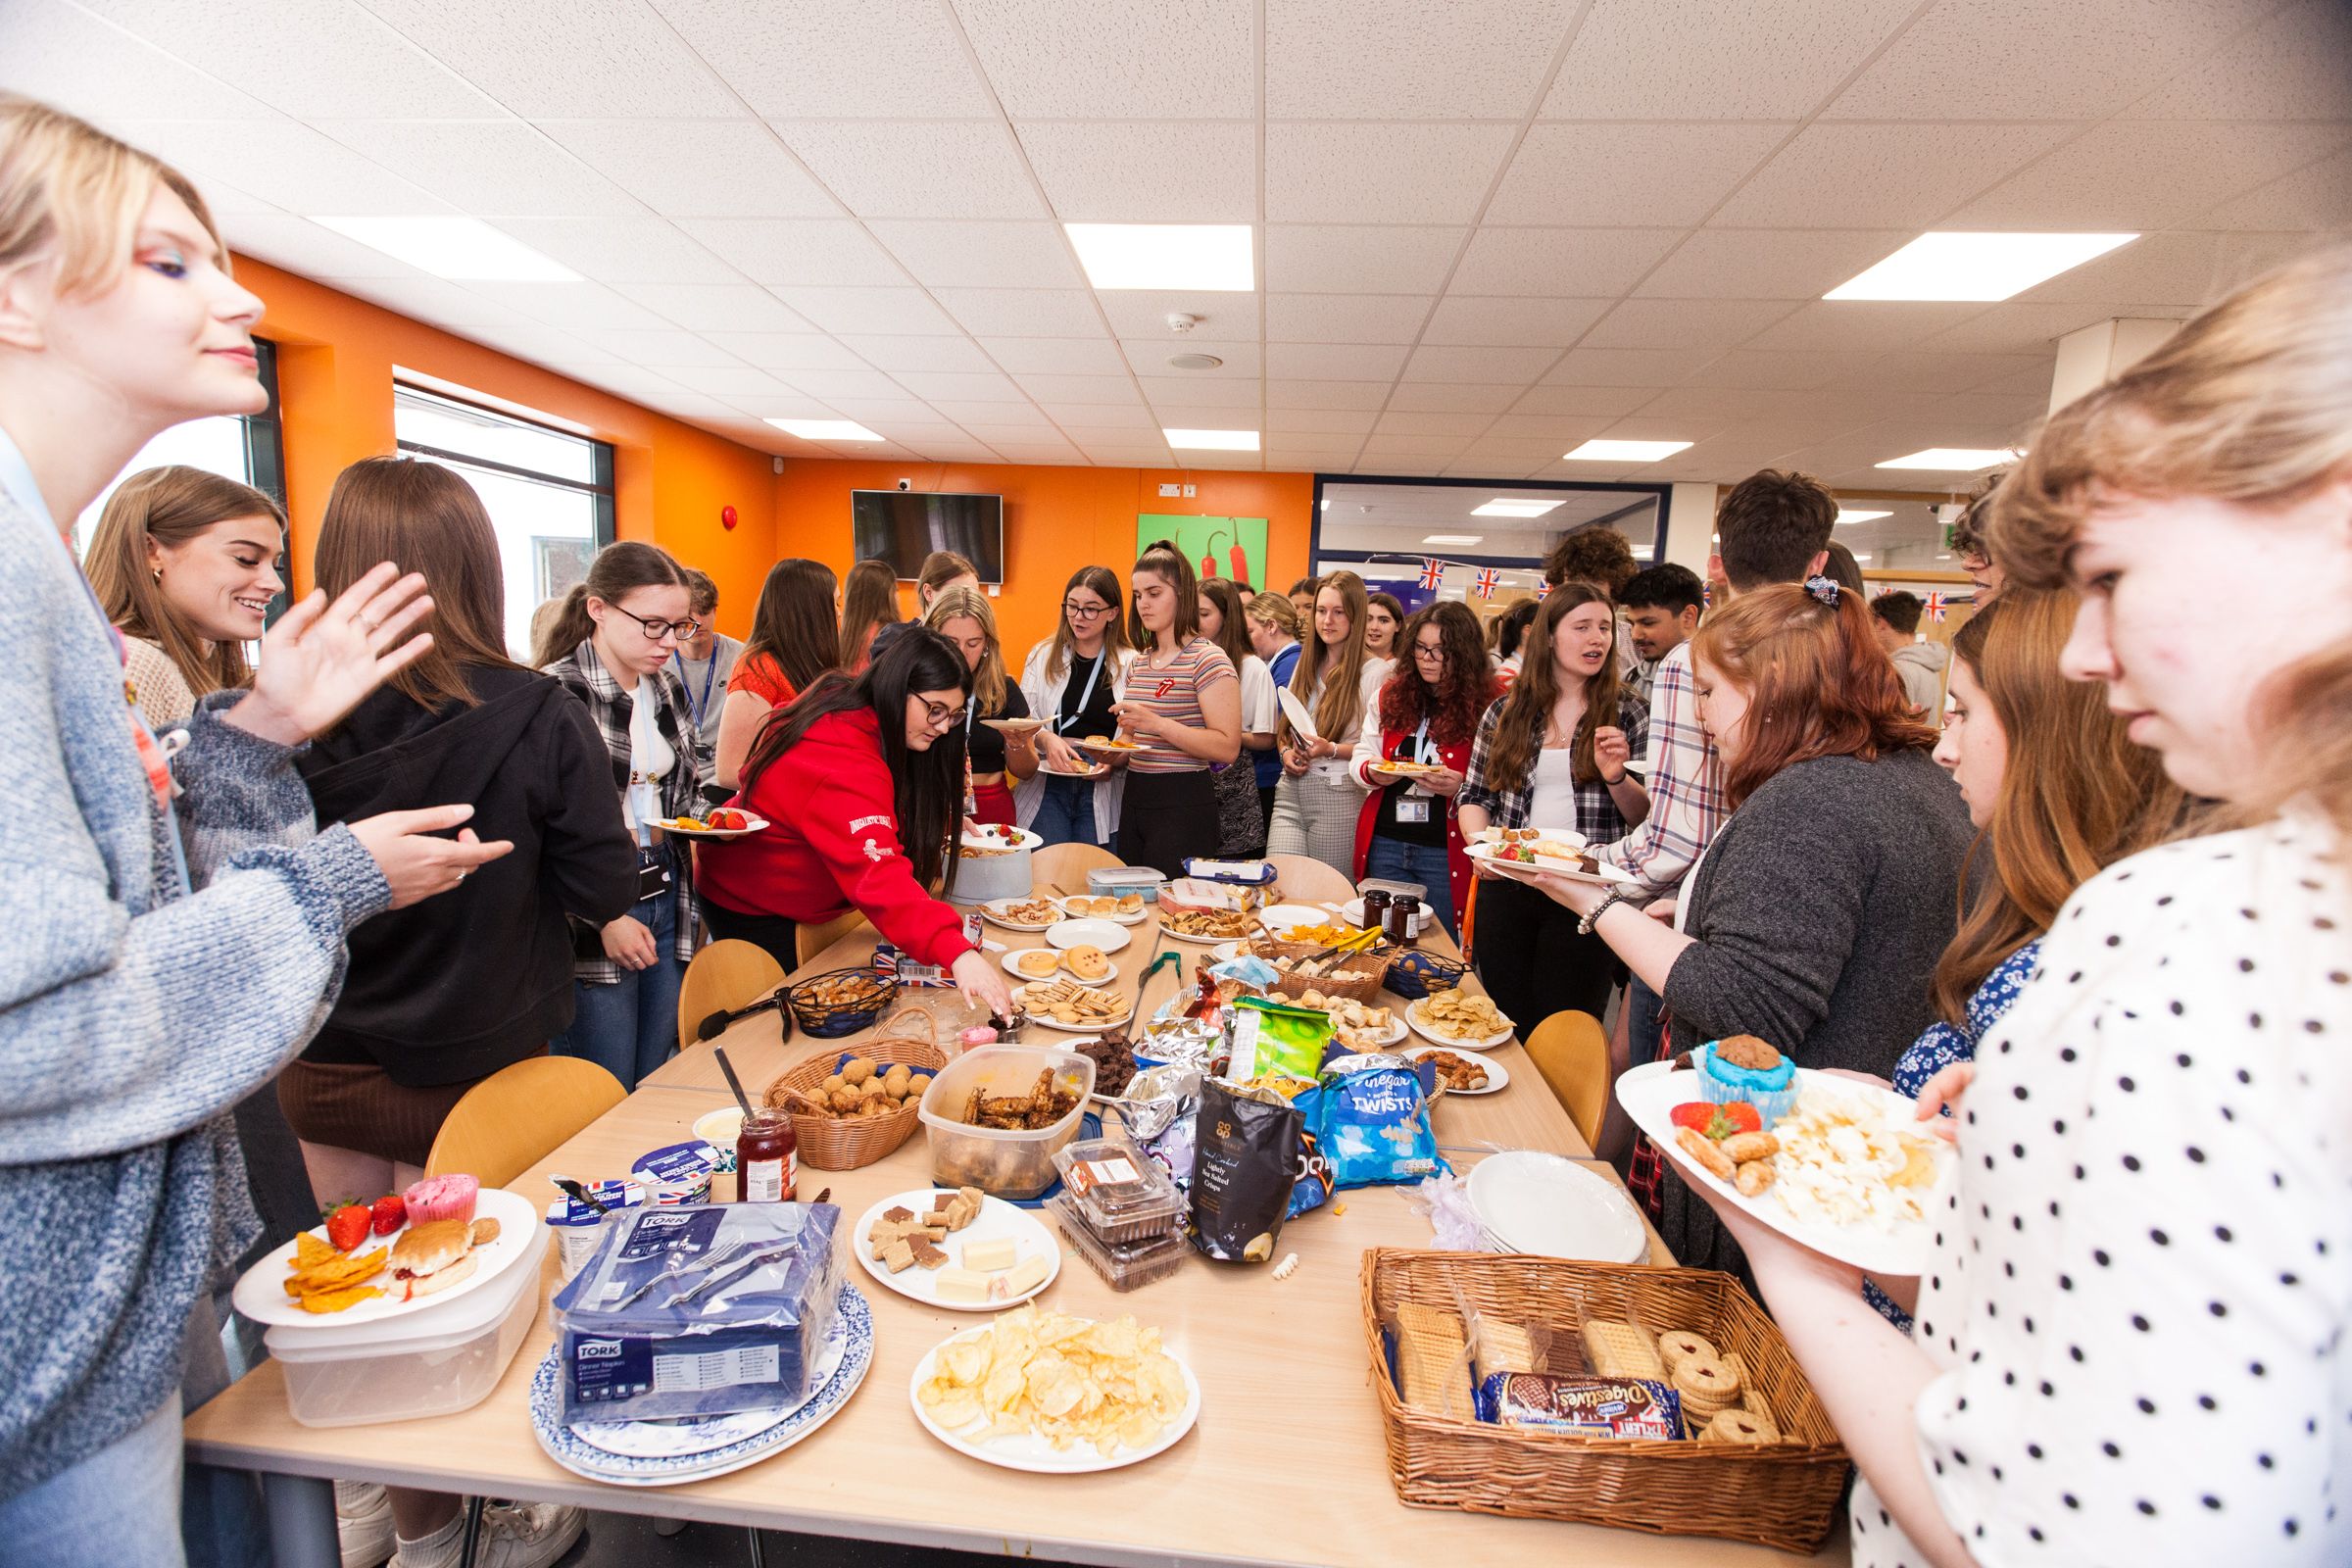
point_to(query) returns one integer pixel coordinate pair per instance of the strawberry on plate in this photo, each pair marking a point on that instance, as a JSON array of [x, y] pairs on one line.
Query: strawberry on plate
[[389, 1213], [1718, 1121], [347, 1227]]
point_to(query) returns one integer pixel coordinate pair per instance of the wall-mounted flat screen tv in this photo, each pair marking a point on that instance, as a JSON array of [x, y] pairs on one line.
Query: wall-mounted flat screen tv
[[903, 526]]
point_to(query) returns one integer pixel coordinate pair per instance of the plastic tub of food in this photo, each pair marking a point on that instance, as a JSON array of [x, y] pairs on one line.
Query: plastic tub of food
[[1123, 1197], [1005, 1163], [1123, 1267], [434, 1360], [1120, 880]]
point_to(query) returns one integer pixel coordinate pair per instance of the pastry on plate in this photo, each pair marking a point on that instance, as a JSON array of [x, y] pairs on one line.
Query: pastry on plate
[[1087, 961], [1039, 963]]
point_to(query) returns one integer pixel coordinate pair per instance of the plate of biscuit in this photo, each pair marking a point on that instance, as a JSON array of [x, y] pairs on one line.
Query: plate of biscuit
[[957, 1249], [1085, 964], [1065, 1004], [1127, 909]]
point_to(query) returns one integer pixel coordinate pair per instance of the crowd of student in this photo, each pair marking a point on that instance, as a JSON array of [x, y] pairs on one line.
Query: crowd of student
[[390, 859]]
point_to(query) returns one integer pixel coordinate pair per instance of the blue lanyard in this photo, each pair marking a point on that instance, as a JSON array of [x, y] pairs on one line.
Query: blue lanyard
[[702, 705], [1061, 723]]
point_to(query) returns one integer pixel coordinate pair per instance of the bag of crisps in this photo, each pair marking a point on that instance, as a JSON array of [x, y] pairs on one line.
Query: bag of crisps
[[1274, 1038], [1243, 1168]]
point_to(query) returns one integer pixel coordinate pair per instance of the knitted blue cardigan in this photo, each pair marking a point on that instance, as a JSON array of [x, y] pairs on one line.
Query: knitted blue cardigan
[[132, 1017]]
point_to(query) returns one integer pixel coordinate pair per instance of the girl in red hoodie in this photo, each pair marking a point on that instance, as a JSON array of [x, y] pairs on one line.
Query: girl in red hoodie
[[861, 782]]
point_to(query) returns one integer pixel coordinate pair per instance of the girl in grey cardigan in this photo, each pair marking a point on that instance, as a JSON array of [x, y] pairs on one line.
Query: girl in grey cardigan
[[1816, 915], [134, 1015]]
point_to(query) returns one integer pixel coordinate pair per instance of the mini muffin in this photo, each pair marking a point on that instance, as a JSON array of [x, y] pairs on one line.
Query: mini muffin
[[1087, 961], [1744, 1067]]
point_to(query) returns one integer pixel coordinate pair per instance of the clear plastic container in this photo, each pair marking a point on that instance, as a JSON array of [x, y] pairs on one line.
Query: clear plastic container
[[1013, 1165], [1123, 1197], [1120, 880], [1123, 1267], [437, 1360]]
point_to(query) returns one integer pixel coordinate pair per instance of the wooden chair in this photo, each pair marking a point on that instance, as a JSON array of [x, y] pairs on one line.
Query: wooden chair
[[723, 976], [519, 1115], [1571, 1051], [811, 939], [1065, 865], [1303, 879]]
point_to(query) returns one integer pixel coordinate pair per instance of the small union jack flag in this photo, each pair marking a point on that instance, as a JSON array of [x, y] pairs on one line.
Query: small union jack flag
[[1488, 579], [1707, 595], [1543, 591], [1433, 574], [1936, 605]]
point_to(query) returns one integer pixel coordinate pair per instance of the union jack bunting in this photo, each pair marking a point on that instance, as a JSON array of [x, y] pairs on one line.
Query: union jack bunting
[[1936, 605], [1543, 591], [1433, 574], [1488, 579]]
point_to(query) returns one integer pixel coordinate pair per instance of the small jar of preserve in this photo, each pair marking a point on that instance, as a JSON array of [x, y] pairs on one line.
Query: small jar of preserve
[[1376, 909], [1403, 920], [767, 1159]]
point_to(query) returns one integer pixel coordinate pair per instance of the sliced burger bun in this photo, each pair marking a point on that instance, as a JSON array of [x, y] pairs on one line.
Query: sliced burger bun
[[431, 1249]]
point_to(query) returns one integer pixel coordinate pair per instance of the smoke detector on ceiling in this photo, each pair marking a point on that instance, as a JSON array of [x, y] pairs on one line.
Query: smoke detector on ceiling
[[1181, 323], [1195, 362]]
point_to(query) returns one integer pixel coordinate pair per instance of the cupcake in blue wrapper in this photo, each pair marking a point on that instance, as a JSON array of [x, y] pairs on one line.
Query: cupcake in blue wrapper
[[1744, 1067]]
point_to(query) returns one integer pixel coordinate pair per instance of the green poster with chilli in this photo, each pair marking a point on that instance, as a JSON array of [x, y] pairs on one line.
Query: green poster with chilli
[[1232, 548]]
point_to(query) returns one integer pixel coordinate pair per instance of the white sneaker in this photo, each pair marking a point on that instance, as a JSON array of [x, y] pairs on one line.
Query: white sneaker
[[520, 1535], [363, 1523]]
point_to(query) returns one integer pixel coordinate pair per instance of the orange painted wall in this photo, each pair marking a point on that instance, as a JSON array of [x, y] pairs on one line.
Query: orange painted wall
[[1056, 519], [336, 356]]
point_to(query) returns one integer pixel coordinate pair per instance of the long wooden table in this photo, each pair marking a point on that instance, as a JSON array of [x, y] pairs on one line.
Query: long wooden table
[[1285, 1466]]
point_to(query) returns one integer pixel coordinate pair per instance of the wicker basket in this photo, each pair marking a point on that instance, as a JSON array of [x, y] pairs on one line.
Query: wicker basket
[[837, 1143], [1417, 973], [1784, 1494], [818, 1004], [1366, 991]]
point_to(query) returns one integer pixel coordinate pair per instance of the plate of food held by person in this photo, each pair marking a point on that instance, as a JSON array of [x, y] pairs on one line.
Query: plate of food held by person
[[719, 822]]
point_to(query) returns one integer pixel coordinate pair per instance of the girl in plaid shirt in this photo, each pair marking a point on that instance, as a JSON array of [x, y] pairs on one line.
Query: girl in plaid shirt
[[613, 644], [1552, 753]]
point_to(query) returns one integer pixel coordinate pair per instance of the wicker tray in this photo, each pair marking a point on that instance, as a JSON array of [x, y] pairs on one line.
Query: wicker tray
[[1784, 1494], [847, 1143], [1366, 991]]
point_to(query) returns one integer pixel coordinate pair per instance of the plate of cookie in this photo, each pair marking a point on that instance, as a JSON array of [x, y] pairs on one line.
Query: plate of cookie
[[1103, 934], [957, 1249], [1126, 909], [1065, 1004], [1020, 915], [1087, 964]]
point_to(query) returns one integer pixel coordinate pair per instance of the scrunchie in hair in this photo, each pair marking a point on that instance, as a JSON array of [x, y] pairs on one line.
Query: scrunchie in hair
[[1824, 589]]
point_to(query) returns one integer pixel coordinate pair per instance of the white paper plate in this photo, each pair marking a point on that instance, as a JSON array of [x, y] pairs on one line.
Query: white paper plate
[[1174, 935], [1109, 935], [1499, 1077], [1650, 1092], [993, 911], [1034, 1454], [1018, 973], [997, 1220], [1022, 838], [1532, 1201], [1283, 916], [1136, 919], [261, 1292], [1413, 1016], [1637, 766], [1295, 712], [753, 824], [1106, 747], [690, 1437], [1488, 854], [1045, 1020], [1014, 726]]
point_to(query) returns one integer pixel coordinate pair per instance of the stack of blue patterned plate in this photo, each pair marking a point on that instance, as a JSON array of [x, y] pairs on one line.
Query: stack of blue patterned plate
[[668, 1453]]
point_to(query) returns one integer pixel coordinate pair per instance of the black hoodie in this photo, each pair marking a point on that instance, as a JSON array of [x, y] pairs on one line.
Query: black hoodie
[[469, 981]]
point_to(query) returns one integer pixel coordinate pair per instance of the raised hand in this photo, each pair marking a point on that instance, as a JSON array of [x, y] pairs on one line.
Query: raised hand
[[322, 660]]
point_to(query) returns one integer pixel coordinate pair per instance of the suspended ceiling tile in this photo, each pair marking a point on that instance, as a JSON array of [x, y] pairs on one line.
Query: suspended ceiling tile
[[622, 250], [1940, 67], [1091, 389], [543, 57], [1769, 264], [1591, 262], [62, 55], [1376, 173], [1218, 318], [917, 169], [1117, 59], [492, 167], [427, 299], [1536, 323], [1634, 58], [817, 251], [2317, 196], [1162, 392], [884, 410], [1343, 259], [1346, 318], [1023, 312], [1151, 356], [1599, 366], [834, 386], [972, 387], [1787, 370], [1100, 418], [1413, 446], [329, 57], [1375, 60], [1482, 365], [1334, 361], [660, 348], [1881, 177], [301, 245], [1685, 324], [715, 307], [1284, 393], [1455, 397], [788, 351], [289, 166], [2019, 326], [2291, 66], [1829, 326], [1318, 421], [1550, 402], [1145, 171], [1056, 355], [2143, 175], [576, 306], [818, 60], [728, 380], [932, 354], [982, 254], [1408, 421], [698, 168], [1594, 174], [891, 311]]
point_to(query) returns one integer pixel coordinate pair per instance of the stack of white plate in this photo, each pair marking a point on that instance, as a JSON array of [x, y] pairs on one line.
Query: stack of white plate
[[668, 1453], [1531, 1201]]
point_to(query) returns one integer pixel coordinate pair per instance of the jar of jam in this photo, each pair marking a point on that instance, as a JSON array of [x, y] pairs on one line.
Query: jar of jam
[[767, 1159], [1376, 909], [1403, 918]]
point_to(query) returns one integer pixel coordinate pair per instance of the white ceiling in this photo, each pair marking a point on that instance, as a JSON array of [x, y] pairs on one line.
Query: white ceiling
[[1490, 228]]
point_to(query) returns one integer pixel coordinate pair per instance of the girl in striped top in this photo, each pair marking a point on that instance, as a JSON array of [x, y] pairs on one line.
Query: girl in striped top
[[1182, 703]]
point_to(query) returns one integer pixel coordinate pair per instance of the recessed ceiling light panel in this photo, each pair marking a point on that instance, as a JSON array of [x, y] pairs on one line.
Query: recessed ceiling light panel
[[1974, 266], [1954, 459], [1211, 258], [826, 430], [465, 249], [1513, 507], [1213, 440], [1845, 517], [1624, 451], [1453, 539]]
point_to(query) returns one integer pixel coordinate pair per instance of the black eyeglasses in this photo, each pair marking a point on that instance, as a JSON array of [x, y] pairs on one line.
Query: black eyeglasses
[[1424, 651], [655, 630], [944, 719], [1078, 611]]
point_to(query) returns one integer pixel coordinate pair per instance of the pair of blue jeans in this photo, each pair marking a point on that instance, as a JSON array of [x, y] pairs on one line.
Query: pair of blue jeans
[[631, 1027], [1066, 814], [1400, 861], [117, 1508]]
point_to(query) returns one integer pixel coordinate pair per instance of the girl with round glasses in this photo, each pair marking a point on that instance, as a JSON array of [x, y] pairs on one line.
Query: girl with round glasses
[[1071, 680]]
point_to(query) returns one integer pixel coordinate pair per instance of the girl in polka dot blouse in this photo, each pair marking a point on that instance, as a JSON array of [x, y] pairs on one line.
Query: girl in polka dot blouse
[[2131, 1336]]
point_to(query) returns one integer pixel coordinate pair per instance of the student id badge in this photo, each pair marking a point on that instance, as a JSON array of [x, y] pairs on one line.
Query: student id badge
[[1410, 808]]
